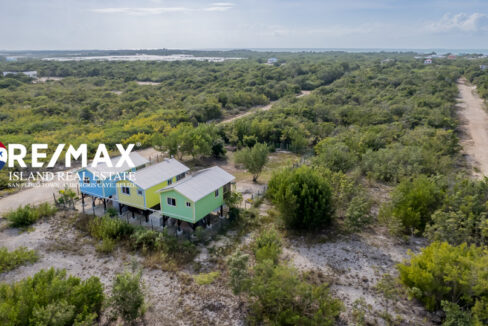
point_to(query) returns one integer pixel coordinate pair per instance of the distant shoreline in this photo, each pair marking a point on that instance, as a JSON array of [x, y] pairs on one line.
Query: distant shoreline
[[290, 50]]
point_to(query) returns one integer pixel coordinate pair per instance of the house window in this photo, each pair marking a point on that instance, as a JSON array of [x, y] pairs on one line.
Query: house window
[[171, 201], [86, 180], [170, 181], [180, 176], [217, 193], [98, 182], [139, 192], [188, 204], [126, 190]]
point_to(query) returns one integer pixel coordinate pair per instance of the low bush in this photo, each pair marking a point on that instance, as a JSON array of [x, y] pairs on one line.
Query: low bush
[[456, 274], [463, 215], [51, 297], [358, 213], [10, 260], [414, 201], [28, 215], [267, 245], [127, 298], [303, 197], [281, 297], [181, 252], [111, 228]]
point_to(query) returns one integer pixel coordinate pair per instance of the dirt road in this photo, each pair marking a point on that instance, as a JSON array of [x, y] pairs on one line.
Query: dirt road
[[475, 124], [259, 108]]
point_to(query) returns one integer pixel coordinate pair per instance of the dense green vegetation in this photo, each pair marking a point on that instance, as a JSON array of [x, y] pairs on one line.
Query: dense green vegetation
[[367, 125], [303, 197], [28, 215], [51, 298], [280, 294], [10, 260], [127, 298], [452, 276]]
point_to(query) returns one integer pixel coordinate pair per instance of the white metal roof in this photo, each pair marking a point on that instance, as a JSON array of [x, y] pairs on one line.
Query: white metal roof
[[136, 158], [202, 183], [157, 173]]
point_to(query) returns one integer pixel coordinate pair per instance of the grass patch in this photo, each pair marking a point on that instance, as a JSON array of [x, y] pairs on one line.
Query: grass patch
[[10, 260], [206, 278], [27, 215]]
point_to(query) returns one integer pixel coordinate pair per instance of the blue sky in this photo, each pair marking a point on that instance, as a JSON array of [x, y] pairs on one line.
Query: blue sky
[[136, 24]]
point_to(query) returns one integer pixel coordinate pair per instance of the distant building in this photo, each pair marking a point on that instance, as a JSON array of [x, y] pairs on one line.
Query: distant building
[[31, 74], [272, 61], [427, 61], [11, 59], [483, 67], [451, 57]]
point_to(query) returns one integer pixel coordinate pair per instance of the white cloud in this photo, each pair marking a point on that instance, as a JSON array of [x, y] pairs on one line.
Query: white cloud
[[216, 6], [476, 22]]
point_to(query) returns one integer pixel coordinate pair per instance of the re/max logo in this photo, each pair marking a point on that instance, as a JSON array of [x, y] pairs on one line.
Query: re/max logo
[[16, 154]]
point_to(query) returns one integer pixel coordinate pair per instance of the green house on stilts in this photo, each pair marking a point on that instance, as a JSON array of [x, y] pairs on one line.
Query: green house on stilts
[[196, 196]]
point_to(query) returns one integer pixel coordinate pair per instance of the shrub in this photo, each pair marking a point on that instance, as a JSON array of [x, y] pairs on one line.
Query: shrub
[[127, 298], [358, 213], [456, 274], [335, 155], [28, 215], [303, 198], [111, 228], [181, 252], [13, 259], [239, 276], [267, 245], [51, 298], [112, 212], [462, 216], [144, 239], [106, 246], [280, 297], [414, 200]]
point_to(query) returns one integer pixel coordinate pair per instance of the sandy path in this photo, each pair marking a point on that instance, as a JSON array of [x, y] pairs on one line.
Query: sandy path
[[259, 108], [475, 124]]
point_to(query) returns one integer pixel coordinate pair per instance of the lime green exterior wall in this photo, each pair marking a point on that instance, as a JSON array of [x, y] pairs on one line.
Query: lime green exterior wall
[[133, 199], [150, 197], [180, 211], [196, 212], [208, 204]]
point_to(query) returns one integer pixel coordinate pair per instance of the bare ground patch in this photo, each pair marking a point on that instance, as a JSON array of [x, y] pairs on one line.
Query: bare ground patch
[[173, 297], [354, 264]]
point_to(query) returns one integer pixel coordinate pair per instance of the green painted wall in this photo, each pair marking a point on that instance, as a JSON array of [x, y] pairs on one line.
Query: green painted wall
[[180, 211], [133, 199], [150, 195], [208, 204]]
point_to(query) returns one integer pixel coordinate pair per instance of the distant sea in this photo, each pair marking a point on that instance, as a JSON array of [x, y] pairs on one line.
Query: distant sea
[[365, 50]]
